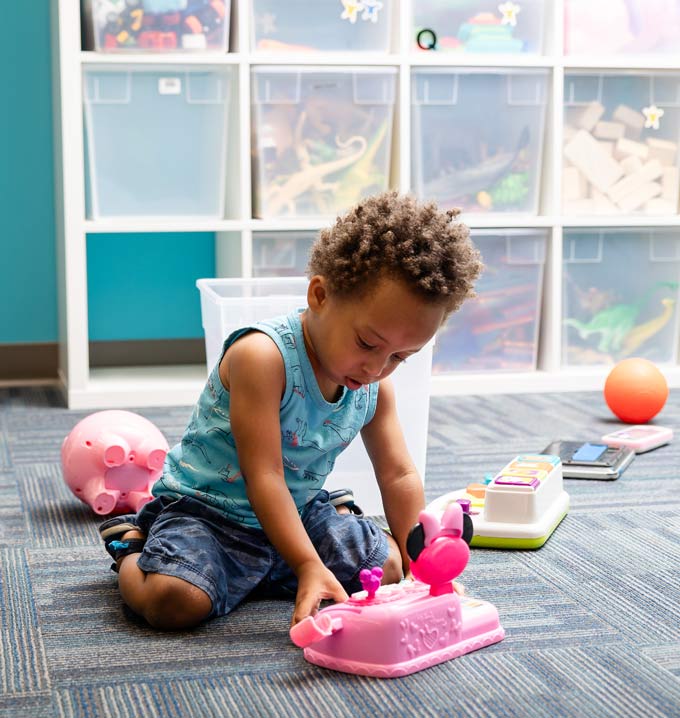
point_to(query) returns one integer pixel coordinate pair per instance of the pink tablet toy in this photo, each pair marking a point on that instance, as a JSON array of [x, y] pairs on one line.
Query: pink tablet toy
[[640, 438], [111, 459], [393, 630]]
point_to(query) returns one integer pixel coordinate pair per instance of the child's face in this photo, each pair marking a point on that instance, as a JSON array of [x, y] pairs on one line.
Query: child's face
[[360, 341]]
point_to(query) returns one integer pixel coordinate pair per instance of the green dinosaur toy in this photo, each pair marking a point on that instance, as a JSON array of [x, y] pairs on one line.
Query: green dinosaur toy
[[614, 323], [508, 192]]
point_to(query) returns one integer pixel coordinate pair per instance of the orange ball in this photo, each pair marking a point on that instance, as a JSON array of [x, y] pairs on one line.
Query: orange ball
[[635, 390]]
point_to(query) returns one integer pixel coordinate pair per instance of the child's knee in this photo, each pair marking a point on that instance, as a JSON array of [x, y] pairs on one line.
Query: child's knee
[[393, 570], [173, 604]]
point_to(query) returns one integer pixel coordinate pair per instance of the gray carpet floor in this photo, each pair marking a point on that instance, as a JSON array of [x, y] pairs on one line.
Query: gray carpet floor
[[592, 618]]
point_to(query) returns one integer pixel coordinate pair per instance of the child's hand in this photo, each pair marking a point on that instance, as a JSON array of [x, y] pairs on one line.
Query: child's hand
[[315, 583]]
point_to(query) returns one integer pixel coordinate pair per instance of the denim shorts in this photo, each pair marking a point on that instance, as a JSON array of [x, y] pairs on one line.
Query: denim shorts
[[188, 539]]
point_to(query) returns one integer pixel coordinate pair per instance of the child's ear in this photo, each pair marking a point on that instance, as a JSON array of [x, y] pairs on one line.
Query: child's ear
[[317, 294]]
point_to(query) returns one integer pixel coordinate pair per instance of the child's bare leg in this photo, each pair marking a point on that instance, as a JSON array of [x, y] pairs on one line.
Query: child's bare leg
[[393, 570], [166, 602]]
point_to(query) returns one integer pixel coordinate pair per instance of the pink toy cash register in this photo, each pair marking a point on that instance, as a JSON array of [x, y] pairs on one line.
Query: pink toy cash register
[[393, 630]]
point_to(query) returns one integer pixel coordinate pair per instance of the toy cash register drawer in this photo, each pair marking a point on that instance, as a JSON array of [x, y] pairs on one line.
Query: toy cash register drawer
[[520, 507]]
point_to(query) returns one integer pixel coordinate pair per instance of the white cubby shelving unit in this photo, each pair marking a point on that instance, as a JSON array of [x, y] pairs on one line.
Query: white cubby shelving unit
[[87, 387]]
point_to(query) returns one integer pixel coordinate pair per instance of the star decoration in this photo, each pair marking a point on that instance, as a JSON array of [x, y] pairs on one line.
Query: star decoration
[[352, 7], [509, 11], [652, 116], [371, 9]]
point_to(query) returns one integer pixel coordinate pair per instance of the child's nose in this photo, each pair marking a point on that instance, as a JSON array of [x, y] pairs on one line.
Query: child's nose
[[374, 367]]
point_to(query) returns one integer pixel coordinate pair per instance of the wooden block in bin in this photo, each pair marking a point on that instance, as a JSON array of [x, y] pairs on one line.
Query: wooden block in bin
[[590, 116], [573, 184], [602, 204], [632, 119], [609, 130], [663, 150], [626, 148], [670, 184], [631, 164], [641, 196], [585, 153], [647, 173]]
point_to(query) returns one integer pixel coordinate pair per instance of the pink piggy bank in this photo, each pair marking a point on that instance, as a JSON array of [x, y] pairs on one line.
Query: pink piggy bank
[[111, 459]]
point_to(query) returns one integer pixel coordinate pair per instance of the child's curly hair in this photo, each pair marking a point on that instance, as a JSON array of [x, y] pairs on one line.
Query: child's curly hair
[[393, 235]]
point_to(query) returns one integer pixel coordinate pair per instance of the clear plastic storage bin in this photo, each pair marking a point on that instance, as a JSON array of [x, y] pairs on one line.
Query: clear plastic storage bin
[[157, 25], [630, 27], [477, 137], [322, 138], [227, 304], [488, 26], [620, 295], [621, 134], [156, 141], [321, 25], [498, 329], [281, 254]]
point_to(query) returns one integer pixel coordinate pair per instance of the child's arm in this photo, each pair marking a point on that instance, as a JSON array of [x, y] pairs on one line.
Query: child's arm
[[400, 486], [253, 372]]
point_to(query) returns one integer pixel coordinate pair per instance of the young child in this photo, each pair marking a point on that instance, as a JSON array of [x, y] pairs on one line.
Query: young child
[[240, 508]]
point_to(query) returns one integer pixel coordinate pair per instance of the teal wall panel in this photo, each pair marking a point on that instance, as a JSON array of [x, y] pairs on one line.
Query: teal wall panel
[[143, 286], [28, 293]]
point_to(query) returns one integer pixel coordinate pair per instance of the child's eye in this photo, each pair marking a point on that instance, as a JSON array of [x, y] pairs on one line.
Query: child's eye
[[400, 360], [361, 343]]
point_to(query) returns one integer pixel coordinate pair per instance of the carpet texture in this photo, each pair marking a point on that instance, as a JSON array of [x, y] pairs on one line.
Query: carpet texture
[[592, 618]]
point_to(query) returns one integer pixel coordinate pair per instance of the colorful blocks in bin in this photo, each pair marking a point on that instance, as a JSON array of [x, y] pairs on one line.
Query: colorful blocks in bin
[[520, 507], [157, 25]]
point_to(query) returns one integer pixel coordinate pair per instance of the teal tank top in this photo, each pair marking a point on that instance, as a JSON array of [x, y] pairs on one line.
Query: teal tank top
[[314, 432]]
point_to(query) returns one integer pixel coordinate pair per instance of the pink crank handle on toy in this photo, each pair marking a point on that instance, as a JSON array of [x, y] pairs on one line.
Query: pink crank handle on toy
[[314, 628], [371, 579]]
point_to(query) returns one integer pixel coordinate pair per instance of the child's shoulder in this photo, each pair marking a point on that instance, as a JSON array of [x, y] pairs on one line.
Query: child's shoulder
[[254, 354]]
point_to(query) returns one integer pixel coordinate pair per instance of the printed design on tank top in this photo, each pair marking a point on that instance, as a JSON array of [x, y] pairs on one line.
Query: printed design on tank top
[[225, 434], [190, 441], [212, 496], [229, 473], [216, 414], [318, 477], [212, 390], [299, 436], [346, 433], [298, 381], [361, 398], [290, 342]]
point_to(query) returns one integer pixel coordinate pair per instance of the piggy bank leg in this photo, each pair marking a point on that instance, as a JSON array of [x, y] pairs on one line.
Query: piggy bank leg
[[150, 455], [95, 494], [114, 449]]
